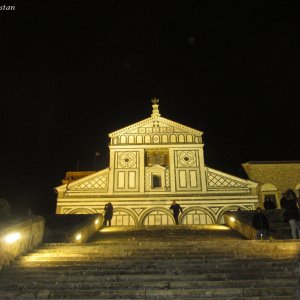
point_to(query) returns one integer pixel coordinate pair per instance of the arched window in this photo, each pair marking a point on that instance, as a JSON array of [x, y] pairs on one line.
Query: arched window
[[139, 139], [123, 139], [268, 194], [147, 139], [131, 139], [164, 138], [173, 138], [181, 138], [189, 138]]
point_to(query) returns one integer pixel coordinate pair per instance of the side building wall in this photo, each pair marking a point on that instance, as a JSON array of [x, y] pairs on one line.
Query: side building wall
[[274, 178]]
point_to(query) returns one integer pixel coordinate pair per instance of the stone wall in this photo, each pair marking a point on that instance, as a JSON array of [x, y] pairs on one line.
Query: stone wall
[[30, 232], [65, 228], [86, 229], [279, 230], [239, 225]]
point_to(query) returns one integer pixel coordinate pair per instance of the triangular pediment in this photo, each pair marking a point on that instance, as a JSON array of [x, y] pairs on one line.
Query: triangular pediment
[[155, 125], [156, 168]]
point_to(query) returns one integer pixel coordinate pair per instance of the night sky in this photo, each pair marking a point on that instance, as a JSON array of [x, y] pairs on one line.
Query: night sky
[[72, 72]]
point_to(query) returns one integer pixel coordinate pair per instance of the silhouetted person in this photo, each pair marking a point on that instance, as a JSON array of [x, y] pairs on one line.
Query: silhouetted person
[[261, 224], [269, 204], [283, 201], [176, 210], [291, 213], [108, 214]]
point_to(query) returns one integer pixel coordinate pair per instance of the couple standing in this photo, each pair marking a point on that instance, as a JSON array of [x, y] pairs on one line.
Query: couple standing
[[108, 214]]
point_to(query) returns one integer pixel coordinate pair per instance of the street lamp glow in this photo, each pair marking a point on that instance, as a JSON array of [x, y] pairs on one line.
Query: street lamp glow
[[78, 237], [12, 237], [232, 219]]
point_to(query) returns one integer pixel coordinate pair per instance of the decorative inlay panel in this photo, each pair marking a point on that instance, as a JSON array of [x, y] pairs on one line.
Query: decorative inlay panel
[[217, 181], [186, 159], [99, 182], [127, 160]]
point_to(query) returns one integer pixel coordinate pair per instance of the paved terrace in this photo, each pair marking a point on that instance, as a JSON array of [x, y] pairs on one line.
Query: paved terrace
[[166, 233]]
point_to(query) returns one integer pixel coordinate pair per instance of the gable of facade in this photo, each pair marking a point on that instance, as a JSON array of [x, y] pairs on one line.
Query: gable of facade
[[155, 130]]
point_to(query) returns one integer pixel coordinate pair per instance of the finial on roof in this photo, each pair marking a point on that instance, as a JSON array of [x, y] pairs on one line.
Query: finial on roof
[[154, 100], [155, 111]]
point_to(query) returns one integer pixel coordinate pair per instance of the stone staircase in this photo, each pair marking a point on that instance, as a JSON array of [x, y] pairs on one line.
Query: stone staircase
[[175, 262]]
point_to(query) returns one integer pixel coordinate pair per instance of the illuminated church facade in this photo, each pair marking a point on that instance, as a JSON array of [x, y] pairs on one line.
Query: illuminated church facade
[[152, 163]]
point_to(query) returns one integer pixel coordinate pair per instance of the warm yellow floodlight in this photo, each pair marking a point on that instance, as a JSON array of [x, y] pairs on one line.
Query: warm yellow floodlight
[[12, 237], [78, 237]]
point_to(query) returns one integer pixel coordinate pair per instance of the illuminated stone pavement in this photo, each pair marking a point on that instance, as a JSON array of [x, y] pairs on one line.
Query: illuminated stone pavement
[[167, 233]]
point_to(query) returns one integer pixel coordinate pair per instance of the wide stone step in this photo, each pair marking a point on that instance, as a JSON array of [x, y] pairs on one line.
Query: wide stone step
[[205, 293], [153, 274], [176, 244], [159, 255], [260, 249], [133, 285], [124, 252], [154, 266], [100, 250], [133, 257], [216, 263], [181, 250], [102, 259]]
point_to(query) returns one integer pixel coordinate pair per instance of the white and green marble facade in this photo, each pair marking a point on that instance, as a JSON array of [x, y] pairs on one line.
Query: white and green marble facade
[[152, 163]]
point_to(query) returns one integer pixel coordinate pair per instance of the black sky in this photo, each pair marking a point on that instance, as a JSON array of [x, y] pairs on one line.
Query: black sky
[[72, 72]]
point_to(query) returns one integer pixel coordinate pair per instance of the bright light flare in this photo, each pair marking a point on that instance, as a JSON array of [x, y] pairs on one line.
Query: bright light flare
[[232, 219], [12, 237], [78, 237], [97, 221]]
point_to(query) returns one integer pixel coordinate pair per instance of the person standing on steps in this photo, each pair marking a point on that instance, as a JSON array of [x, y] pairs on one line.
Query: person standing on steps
[[261, 224], [108, 214], [291, 213], [176, 210]]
